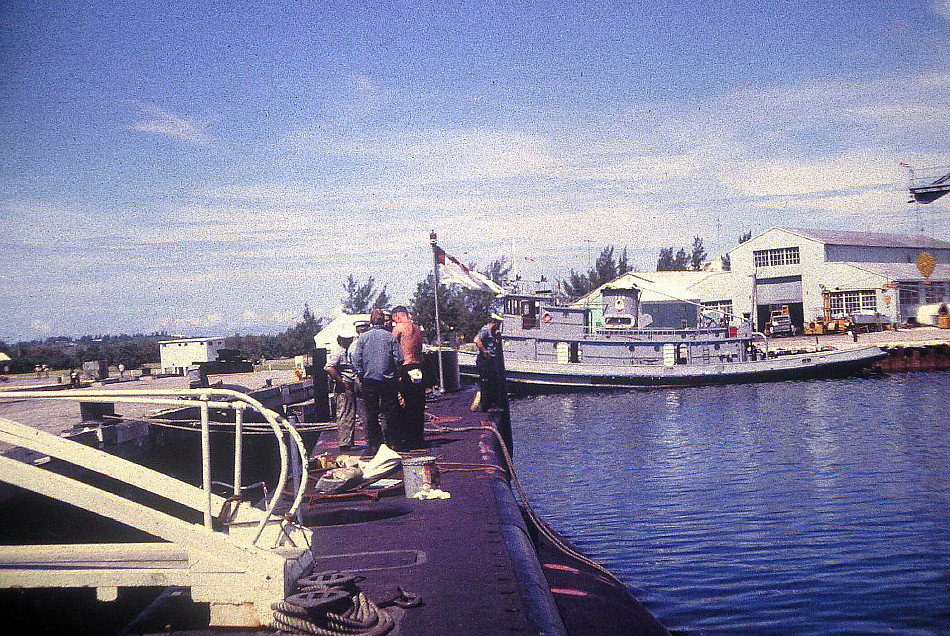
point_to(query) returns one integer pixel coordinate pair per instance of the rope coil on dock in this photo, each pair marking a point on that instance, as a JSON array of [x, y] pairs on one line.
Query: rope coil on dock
[[310, 611], [363, 618]]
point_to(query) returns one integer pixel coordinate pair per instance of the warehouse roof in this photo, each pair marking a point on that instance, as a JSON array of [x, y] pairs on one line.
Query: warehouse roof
[[870, 239]]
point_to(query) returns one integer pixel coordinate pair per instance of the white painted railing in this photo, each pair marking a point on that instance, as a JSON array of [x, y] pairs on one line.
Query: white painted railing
[[229, 569], [205, 399]]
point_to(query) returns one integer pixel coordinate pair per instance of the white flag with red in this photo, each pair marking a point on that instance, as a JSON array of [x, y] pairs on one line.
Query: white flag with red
[[452, 271]]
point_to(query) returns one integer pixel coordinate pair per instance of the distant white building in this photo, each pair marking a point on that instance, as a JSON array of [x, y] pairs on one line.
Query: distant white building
[[664, 292], [177, 355], [857, 273], [860, 272]]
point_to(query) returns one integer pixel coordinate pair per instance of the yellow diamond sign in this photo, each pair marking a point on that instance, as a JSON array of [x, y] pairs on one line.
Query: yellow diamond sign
[[926, 264]]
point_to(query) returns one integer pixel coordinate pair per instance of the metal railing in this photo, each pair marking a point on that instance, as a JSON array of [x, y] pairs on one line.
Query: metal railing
[[226, 399]]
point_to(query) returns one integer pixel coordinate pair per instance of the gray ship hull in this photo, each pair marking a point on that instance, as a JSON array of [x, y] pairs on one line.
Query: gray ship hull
[[553, 375]]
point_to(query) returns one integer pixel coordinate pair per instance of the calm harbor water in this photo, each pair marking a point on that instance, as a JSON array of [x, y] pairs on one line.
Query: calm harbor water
[[819, 507]]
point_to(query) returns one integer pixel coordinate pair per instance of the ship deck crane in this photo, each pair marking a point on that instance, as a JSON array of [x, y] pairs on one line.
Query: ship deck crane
[[928, 184]]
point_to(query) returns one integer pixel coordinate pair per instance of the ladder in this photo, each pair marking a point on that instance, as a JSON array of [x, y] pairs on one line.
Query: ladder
[[252, 560]]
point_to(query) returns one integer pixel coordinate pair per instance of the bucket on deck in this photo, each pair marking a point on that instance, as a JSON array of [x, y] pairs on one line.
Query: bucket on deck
[[419, 474]]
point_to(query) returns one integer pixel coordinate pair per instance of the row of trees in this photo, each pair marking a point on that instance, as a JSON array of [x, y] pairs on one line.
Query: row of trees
[[360, 298], [134, 351], [64, 353], [694, 259], [296, 340], [605, 269], [682, 260]]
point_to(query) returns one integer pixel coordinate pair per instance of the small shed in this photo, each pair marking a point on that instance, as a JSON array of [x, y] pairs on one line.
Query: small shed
[[179, 354]]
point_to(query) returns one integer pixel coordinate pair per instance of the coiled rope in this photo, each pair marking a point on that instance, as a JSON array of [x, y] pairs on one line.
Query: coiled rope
[[311, 610], [363, 617]]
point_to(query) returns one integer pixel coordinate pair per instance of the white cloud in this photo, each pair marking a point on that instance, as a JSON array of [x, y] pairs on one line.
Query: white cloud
[[647, 177], [162, 122], [208, 321], [249, 254], [42, 224], [858, 169], [853, 206], [363, 96], [422, 158], [835, 116], [41, 326]]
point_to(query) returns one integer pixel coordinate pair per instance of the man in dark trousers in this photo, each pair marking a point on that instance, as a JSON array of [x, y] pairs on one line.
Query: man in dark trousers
[[376, 358], [413, 391], [488, 342], [340, 369]]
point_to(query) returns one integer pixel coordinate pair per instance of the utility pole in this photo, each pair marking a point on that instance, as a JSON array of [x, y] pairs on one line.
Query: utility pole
[[589, 266]]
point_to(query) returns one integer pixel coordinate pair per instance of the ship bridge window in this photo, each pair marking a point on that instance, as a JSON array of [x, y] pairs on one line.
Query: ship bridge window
[[618, 322]]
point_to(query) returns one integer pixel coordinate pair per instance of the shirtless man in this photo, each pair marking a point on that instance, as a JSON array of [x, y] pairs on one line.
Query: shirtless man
[[413, 391]]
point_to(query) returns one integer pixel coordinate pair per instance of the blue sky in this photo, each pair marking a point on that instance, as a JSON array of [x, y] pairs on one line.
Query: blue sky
[[208, 168]]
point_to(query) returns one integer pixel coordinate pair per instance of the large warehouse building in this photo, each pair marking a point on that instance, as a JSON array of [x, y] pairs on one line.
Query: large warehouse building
[[888, 276], [860, 272]]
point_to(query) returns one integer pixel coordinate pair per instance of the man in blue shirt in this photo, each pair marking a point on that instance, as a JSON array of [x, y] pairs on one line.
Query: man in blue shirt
[[376, 358], [488, 342]]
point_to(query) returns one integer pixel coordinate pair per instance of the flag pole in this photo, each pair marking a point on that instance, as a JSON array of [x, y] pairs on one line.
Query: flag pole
[[514, 265], [438, 322]]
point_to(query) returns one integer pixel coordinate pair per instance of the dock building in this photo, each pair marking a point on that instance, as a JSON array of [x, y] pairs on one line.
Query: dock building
[[178, 354], [812, 273]]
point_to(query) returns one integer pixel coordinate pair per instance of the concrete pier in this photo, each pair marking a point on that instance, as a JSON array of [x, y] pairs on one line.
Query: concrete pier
[[908, 349]]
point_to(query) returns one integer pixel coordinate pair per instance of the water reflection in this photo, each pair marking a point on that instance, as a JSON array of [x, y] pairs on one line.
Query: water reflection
[[795, 508]]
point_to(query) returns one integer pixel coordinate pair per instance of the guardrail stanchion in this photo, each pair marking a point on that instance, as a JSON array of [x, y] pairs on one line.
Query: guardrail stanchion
[[238, 446], [206, 457]]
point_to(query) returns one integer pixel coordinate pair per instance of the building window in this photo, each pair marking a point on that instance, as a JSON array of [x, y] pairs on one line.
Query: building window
[[909, 293], [717, 309], [936, 292], [852, 302], [779, 256]]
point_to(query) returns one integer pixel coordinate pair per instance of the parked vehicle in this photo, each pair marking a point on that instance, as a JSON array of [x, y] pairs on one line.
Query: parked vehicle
[[780, 324]]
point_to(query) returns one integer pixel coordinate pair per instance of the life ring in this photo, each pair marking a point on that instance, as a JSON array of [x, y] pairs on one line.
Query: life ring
[[547, 317]]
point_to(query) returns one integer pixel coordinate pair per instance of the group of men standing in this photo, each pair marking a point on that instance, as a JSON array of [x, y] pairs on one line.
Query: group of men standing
[[380, 365]]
